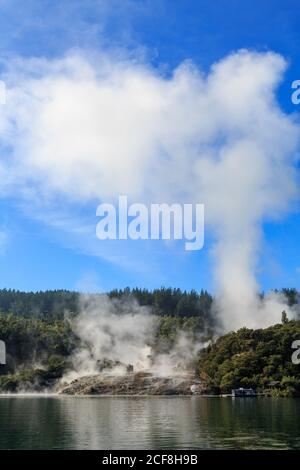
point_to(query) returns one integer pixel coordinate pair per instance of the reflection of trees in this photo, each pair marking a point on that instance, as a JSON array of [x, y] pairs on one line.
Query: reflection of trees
[[31, 423], [250, 422], [148, 422]]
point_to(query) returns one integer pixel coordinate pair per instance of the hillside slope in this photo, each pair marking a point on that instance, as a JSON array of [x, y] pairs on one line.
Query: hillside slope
[[261, 359]]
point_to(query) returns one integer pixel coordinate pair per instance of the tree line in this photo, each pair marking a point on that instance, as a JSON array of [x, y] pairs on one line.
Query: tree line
[[53, 304]]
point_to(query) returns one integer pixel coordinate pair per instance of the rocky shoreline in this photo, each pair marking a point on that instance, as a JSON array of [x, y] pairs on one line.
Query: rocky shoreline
[[135, 383]]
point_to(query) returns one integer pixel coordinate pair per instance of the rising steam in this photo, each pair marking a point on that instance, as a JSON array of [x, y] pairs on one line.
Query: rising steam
[[111, 332], [86, 130], [117, 336]]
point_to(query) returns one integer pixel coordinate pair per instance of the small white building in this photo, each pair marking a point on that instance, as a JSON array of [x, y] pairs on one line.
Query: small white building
[[243, 392]]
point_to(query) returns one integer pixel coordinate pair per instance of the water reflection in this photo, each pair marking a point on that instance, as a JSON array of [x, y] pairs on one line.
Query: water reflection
[[148, 423]]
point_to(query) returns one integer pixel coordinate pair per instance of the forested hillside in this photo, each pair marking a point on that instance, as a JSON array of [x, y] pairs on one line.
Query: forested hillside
[[39, 350], [261, 359], [40, 341]]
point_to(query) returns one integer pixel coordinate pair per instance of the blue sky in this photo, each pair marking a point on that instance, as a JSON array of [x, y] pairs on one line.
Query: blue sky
[[36, 255]]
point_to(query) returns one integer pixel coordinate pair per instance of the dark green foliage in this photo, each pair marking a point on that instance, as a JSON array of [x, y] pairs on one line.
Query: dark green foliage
[[163, 302], [54, 304], [254, 358], [169, 326], [170, 302], [37, 351], [49, 304]]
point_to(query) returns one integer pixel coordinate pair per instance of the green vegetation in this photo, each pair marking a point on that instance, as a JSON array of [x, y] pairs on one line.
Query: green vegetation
[[54, 304], [37, 351], [34, 378], [40, 341], [48, 304], [170, 302], [260, 359]]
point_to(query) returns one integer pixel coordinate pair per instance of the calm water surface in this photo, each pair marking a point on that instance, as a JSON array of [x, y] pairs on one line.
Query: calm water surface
[[37, 422]]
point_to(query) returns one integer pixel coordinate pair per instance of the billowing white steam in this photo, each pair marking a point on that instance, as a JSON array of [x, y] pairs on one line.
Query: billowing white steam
[[115, 334], [113, 330], [93, 129]]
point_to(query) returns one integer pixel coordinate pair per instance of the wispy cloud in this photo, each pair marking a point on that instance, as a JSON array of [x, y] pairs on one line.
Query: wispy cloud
[[89, 24]]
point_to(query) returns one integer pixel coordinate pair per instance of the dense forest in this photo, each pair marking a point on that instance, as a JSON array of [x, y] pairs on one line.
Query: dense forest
[[260, 359], [54, 304], [37, 351], [40, 341]]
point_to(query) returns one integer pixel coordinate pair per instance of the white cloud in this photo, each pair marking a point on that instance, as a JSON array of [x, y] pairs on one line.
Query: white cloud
[[89, 129], [94, 129]]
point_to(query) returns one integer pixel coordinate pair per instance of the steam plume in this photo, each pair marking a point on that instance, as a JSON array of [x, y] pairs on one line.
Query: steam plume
[[117, 333], [93, 129]]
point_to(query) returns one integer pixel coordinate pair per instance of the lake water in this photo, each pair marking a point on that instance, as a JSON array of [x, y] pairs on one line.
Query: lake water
[[38, 422]]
